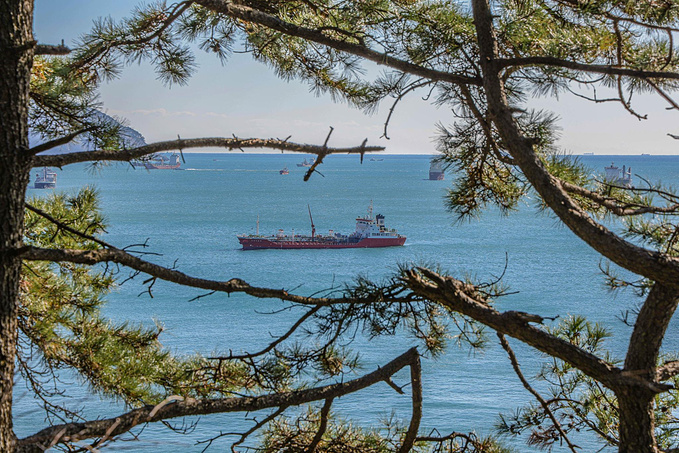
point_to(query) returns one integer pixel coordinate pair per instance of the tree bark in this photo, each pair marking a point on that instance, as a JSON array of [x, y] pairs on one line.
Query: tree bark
[[635, 405], [16, 59], [637, 426], [635, 400]]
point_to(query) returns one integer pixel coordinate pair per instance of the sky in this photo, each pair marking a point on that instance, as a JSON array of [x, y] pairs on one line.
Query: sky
[[245, 98]]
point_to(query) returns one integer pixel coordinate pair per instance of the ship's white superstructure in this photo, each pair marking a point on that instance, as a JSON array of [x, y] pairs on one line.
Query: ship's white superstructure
[[616, 176]]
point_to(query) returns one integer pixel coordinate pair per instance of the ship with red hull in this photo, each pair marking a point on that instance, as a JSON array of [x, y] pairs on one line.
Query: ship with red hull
[[370, 233]]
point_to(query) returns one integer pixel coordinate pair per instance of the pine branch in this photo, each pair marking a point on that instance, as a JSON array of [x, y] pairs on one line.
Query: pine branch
[[453, 294], [59, 141], [252, 15], [103, 49], [65, 227], [612, 205], [648, 263], [73, 432], [114, 255], [584, 67]]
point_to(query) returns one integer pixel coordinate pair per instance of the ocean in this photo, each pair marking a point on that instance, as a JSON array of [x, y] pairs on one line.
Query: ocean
[[192, 218]]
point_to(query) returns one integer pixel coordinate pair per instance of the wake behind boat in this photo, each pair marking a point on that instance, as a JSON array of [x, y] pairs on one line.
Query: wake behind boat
[[370, 232]]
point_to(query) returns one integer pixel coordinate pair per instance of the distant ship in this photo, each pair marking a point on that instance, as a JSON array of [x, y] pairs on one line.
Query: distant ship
[[614, 175], [284, 171], [370, 232], [376, 160], [45, 179], [436, 171], [306, 163], [159, 162]]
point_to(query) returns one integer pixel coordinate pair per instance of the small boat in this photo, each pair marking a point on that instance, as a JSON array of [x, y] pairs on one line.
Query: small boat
[[376, 160], [284, 171], [46, 179], [306, 163], [370, 233]]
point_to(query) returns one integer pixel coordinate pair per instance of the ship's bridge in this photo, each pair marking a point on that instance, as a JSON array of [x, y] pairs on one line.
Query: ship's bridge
[[367, 227]]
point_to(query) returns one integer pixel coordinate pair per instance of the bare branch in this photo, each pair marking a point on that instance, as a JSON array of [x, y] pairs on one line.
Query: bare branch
[[401, 95], [527, 386], [256, 427], [322, 426], [73, 432], [127, 155], [663, 95], [416, 395], [276, 342]]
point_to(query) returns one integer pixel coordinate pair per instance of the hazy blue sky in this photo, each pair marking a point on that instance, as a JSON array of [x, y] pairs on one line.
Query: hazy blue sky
[[245, 98]]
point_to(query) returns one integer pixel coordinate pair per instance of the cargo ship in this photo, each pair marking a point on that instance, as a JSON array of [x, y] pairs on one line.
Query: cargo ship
[[46, 179], [370, 232], [436, 171], [618, 177], [306, 163], [159, 162]]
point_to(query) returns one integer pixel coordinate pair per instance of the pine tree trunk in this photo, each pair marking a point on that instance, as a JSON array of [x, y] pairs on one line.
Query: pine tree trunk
[[636, 422], [16, 58]]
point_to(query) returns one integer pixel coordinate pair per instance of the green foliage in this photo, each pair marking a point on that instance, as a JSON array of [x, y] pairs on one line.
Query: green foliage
[[579, 402], [62, 326], [64, 102], [143, 36], [293, 435], [60, 318]]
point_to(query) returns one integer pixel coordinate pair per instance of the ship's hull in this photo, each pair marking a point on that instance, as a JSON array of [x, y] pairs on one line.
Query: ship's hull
[[45, 185], [436, 175], [254, 243], [152, 166]]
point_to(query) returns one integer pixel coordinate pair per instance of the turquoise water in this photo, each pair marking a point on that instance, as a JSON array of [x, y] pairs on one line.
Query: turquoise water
[[193, 217]]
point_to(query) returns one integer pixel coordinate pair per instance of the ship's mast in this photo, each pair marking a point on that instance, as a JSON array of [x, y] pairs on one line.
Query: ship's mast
[[370, 210], [313, 228], [257, 225]]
